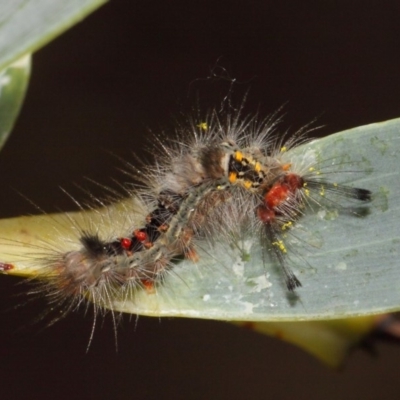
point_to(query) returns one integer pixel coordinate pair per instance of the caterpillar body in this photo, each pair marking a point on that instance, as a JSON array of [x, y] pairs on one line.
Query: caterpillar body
[[231, 175]]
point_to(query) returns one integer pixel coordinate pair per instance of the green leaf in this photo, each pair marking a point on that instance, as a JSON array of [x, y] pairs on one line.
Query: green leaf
[[352, 270], [348, 263], [13, 84], [27, 25]]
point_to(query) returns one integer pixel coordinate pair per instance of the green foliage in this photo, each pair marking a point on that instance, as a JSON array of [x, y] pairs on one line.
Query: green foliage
[[13, 84], [27, 25], [346, 258]]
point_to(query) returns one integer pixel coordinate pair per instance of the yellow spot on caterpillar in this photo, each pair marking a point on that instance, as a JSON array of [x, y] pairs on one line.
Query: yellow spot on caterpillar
[[322, 191], [311, 169], [286, 167], [280, 245], [248, 184], [203, 126], [283, 149], [257, 167], [238, 156], [335, 184], [232, 177], [307, 192]]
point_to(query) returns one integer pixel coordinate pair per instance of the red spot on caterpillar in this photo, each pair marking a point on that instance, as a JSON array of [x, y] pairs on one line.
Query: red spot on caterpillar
[[265, 214], [4, 267], [295, 182], [140, 235], [282, 190], [148, 285], [126, 243], [276, 195]]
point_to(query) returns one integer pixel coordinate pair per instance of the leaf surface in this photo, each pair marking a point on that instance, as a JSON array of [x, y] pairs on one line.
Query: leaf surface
[[27, 25], [13, 84], [346, 261]]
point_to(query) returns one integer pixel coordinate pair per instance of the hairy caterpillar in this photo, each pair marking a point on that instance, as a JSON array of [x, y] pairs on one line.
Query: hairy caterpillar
[[224, 176]]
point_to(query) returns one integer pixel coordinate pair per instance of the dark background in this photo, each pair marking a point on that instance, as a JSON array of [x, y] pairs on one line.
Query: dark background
[[134, 66]]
